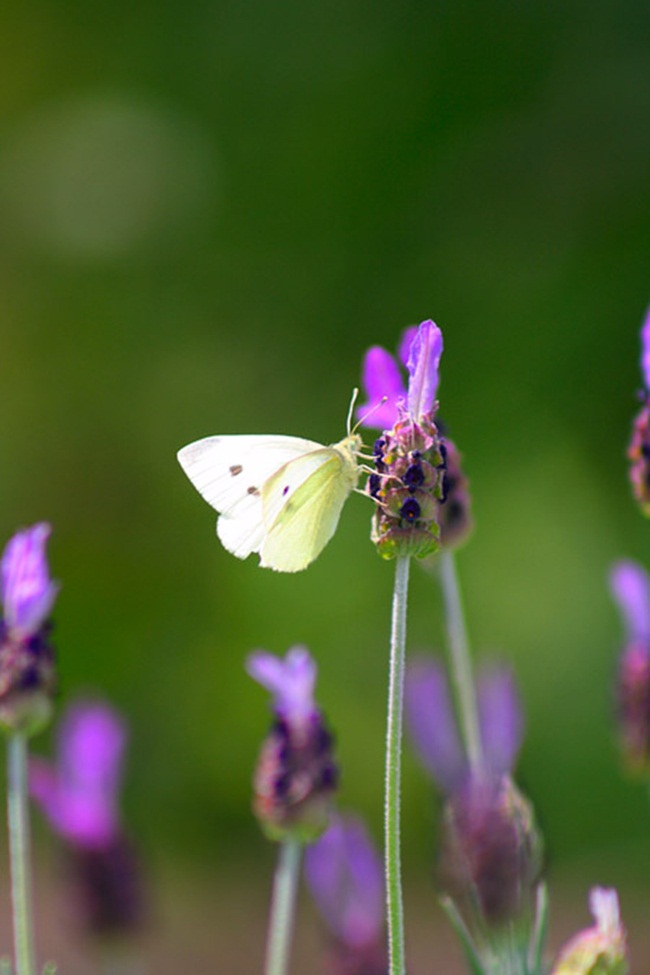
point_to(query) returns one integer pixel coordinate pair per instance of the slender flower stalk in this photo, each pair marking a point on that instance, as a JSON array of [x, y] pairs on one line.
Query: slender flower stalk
[[395, 910], [283, 902], [27, 680], [18, 820], [460, 662], [295, 783]]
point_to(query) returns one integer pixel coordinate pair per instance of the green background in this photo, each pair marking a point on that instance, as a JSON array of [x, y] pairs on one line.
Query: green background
[[208, 211]]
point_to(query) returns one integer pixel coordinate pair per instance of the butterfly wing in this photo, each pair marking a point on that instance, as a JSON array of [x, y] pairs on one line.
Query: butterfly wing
[[302, 504], [230, 471]]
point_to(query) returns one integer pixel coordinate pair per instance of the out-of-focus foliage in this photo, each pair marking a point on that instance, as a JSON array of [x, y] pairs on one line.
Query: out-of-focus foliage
[[207, 213]]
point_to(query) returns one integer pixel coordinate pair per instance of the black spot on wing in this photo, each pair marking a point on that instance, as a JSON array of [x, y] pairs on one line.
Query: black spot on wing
[[253, 490], [236, 469], [285, 491]]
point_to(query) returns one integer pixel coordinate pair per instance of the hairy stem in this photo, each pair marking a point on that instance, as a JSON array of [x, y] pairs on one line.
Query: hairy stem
[[397, 964], [18, 821], [283, 903]]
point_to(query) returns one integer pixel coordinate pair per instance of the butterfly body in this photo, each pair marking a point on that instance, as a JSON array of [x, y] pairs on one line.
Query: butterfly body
[[278, 496]]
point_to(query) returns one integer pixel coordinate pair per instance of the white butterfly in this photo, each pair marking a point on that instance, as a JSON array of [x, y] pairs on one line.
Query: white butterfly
[[278, 496]]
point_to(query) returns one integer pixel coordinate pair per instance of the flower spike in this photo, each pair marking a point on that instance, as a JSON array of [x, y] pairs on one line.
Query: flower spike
[[27, 670], [296, 776]]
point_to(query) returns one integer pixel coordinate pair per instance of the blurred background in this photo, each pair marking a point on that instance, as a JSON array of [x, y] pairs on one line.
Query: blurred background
[[208, 211]]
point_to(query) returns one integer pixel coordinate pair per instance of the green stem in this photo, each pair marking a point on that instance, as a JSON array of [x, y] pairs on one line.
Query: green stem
[[283, 902], [18, 820], [397, 964], [460, 663]]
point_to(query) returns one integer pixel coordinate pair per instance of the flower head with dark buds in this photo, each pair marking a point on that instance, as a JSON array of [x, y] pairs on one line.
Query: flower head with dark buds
[[417, 470], [491, 849], [630, 586], [600, 949], [79, 794], [296, 775], [344, 873], [639, 449], [27, 671]]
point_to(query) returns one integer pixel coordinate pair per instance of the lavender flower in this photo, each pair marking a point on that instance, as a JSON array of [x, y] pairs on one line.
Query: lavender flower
[[639, 449], [79, 794], [491, 848], [27, 674], [431, 722], [600, 949], [419, 485], [630, 587], [344, 873], [296, 775]]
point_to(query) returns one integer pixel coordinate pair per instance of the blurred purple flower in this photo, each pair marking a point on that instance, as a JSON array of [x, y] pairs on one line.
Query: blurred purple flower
[[79, 795], [344, 874], [500, 718], [290, 681], [420, 351], [432, 723], [296, 775], [26, 590], [645, 351], [630, 587]]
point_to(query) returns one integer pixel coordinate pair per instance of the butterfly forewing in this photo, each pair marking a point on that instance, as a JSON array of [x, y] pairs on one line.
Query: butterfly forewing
[[229, 473]]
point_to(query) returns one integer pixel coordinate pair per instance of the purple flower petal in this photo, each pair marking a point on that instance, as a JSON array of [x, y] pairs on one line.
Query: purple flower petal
[[291, 681], [345, 876], [381, 378], [26, 589], [408, 335], [80, 794], [432, 724], [645, 351], [500, 718], [423, 362], [630, 587]]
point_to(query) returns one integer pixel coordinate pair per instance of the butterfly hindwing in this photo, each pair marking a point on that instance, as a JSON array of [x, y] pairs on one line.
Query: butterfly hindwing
[[301, 510]]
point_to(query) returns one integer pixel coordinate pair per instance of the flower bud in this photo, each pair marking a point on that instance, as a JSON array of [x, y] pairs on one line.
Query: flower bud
[[491, 849], [601, 949]]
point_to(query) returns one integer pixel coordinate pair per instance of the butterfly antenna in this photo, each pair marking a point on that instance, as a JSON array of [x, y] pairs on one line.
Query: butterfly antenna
[[370, 412], [355, 393]]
